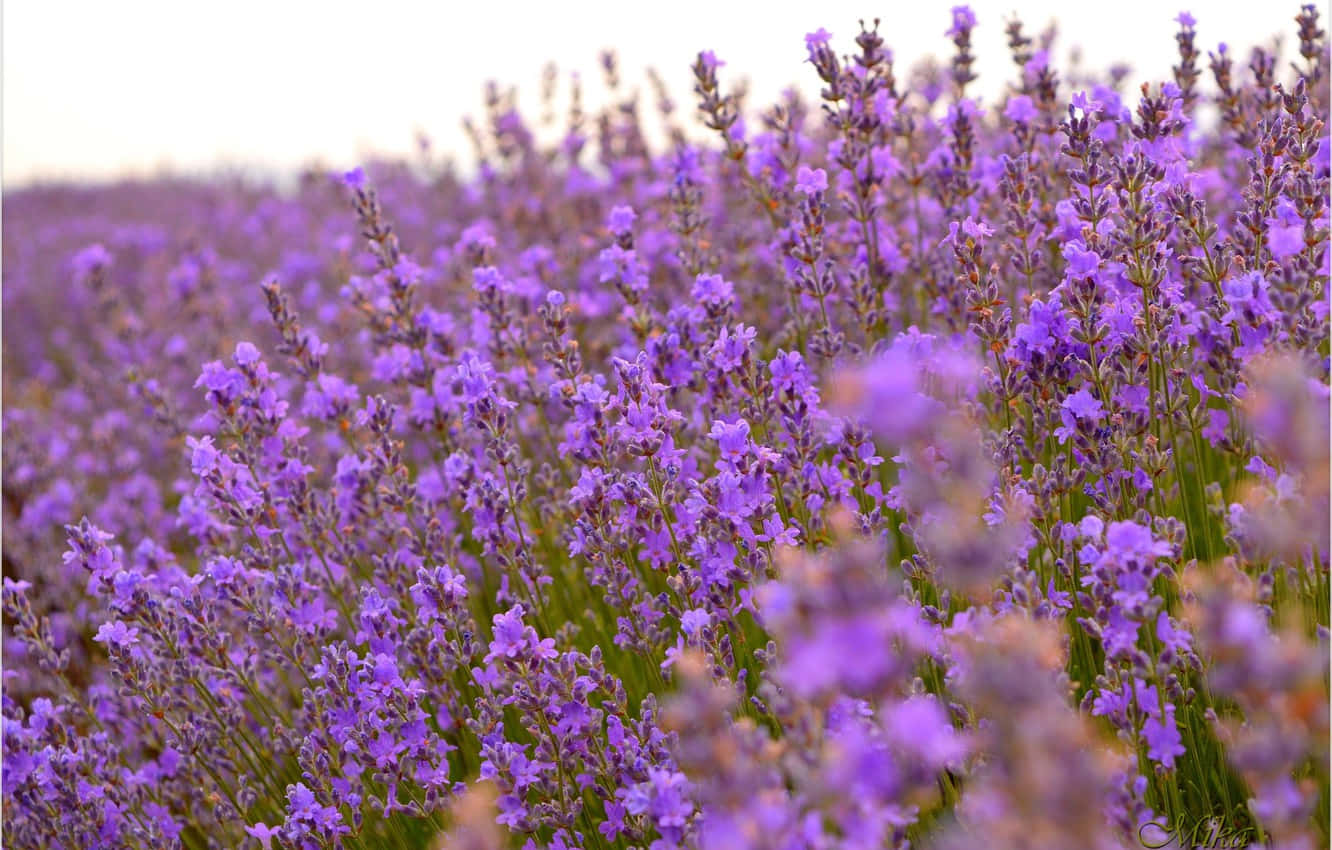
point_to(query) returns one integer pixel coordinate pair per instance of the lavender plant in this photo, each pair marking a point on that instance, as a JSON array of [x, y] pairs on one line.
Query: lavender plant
[[893, 470]]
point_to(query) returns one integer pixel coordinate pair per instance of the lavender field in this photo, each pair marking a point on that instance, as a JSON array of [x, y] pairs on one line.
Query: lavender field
[[902, 468]]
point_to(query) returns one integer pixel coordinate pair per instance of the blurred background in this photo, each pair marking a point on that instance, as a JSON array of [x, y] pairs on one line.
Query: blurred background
[[96, 90]]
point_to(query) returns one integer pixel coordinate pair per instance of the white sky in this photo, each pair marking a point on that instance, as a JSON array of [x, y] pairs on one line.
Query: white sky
[[94, 89]]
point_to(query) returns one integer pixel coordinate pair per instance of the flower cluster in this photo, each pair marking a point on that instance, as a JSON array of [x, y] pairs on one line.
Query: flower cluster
[[895, 468]]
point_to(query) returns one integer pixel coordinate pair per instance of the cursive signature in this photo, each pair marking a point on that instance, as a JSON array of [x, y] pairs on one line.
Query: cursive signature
[[1203, 834]]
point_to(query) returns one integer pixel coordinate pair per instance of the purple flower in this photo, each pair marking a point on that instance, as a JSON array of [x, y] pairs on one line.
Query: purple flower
[[1079, 410], [1130, 540], [964, 20], [515, 640], [1021, 109], [203, 455], [1084, 406], [693, 621], [818, 38], [246, 354], [354, 179], [117, 634], [1134, 398], [1285, 241], [712, 289], [1083, 102], [92, 259], [511, 633], [732, 439], [1218, 421], [264, 833], [811, 180], [621, 220], [662, 798], [1046, 327], [1164, 743], [1178, 640], [978, 231], [1081, 262], [920, 726]]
